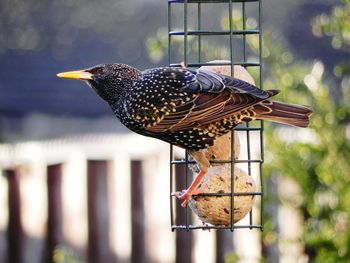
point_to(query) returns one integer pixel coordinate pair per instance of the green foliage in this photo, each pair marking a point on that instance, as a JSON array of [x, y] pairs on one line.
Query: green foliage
[[231, 257], [156, 46], [63, 27], [318, 158], [335, 25], [64, 254]]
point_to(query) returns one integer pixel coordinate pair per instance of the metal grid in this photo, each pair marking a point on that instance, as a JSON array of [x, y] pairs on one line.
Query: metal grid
[[245, 128]]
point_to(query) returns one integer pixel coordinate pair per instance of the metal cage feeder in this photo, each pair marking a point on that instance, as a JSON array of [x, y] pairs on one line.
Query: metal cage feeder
[[188, 31]]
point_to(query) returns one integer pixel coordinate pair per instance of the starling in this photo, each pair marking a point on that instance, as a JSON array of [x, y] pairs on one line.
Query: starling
[[186, 107]]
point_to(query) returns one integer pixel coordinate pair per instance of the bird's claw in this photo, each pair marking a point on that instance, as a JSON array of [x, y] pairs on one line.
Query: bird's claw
[[184, 196]]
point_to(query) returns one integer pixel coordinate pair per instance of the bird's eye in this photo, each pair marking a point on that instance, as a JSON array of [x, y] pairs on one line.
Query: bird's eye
[[97, 71]]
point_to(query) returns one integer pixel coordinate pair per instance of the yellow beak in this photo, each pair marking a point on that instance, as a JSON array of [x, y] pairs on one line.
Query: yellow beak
[[78, 74]]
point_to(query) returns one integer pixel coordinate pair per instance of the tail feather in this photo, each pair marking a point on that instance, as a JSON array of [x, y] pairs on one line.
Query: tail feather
[[296, 115]]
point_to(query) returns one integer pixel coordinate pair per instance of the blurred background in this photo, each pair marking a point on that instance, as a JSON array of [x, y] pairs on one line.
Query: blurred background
[[66, 194]]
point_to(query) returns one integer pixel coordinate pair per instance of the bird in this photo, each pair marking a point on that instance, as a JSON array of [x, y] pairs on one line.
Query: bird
[[187, 107]]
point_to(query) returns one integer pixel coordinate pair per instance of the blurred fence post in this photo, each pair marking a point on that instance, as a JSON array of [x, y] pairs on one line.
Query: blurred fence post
[[54, 195], [98, 214], [271, 251], [138, 253], [14, 229], [184, 239], [223, 244]]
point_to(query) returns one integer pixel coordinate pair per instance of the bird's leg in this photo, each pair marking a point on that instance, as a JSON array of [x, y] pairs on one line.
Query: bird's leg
[[204, 164]]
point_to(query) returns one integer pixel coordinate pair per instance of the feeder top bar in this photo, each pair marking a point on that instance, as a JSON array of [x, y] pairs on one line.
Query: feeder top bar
[[207, 226], [196, 65], [214, 33], [211, 1]]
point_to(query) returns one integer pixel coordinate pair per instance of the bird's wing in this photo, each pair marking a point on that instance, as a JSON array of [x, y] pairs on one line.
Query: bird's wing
[[179, 98], [208, 81]]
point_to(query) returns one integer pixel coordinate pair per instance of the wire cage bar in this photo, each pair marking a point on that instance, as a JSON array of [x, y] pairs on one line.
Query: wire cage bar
[[187, 30]]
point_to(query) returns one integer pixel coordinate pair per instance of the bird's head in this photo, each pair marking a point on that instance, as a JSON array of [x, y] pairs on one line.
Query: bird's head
[[108, 80]]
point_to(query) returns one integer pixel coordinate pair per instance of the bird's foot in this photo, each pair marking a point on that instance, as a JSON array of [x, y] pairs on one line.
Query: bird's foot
[[184, 196]]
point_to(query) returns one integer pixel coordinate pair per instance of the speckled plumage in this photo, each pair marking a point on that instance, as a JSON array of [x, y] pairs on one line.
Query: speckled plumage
[[186, 107]]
